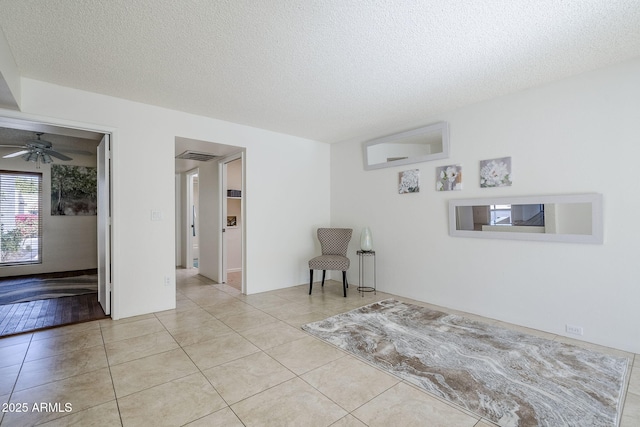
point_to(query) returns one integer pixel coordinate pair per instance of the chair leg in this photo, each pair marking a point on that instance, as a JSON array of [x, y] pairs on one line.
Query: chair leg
[[310, 280], [324, 272], [344, 283]]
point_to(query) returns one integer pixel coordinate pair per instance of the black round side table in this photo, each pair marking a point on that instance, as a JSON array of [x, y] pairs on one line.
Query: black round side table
[[362, 256]]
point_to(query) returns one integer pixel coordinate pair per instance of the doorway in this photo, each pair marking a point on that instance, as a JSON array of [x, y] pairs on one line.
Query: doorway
[[232, 204], [79, 253], [208, 160]]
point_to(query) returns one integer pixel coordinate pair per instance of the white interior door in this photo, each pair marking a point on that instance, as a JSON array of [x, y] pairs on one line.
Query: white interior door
[[195, 222], [192, 223], [104, 225], [223, 221], [232, 225]]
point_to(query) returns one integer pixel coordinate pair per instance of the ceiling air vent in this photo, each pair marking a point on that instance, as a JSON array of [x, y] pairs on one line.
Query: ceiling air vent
[[195, 155]]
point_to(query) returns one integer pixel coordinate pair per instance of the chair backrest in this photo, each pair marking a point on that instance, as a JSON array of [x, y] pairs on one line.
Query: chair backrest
[[334, 241]]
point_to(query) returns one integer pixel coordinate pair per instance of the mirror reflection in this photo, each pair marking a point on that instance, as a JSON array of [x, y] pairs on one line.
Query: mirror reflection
[[558, 218], [418, 145]]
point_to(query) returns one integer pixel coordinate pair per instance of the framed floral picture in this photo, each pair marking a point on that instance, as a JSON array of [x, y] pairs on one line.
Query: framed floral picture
[[495, 172], [409, 181], [449, 178]]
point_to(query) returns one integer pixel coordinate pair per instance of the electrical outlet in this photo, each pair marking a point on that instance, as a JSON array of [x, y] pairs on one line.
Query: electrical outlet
[[167, 281], [575, 330]]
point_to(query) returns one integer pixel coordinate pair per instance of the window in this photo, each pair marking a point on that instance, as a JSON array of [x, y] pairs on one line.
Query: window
[[522, 215], [20, 218], [500, 214]]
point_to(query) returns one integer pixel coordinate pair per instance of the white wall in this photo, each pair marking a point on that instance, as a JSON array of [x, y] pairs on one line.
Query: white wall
[[277, 166], [69, 243], [574, 136]]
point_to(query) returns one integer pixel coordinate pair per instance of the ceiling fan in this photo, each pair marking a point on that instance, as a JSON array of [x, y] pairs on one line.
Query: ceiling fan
[[37, 150]]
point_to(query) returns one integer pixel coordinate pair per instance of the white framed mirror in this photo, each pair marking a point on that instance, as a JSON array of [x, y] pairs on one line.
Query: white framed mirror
[[573, 218], [413, 146]]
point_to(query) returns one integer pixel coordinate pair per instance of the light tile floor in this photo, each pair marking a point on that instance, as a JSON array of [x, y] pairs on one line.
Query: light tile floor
[[220, 359]]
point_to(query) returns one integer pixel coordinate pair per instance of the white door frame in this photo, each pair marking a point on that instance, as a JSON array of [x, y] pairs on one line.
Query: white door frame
[[20, 120], [179, 223], [222, 258], [188, 212]]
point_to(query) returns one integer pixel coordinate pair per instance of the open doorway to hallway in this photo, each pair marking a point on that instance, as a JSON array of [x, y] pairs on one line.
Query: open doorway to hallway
[[201, 210]]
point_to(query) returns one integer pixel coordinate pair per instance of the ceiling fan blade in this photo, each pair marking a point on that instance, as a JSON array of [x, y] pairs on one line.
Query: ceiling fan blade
[[80, 152], [11, 146], [56, 154], [16, 154]]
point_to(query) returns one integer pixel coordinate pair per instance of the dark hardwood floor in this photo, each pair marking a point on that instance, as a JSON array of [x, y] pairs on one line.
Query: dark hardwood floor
[[54, 275], [44, 314]]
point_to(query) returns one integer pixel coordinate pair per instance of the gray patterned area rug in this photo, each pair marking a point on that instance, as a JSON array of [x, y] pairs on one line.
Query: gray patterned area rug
[[511, 378], [23, 290]]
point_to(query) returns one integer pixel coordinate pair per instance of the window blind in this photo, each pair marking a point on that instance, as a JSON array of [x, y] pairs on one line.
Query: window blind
[[20, 218]]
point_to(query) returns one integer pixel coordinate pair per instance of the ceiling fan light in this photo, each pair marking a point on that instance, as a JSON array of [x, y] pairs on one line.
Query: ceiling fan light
[[46, 158], [31, 157]]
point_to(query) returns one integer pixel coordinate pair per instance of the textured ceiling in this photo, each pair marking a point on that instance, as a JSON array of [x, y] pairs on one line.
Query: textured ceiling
[[329, 70]]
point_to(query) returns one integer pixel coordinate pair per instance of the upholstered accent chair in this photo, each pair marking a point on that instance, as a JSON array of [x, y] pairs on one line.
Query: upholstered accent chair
[[334, 243]]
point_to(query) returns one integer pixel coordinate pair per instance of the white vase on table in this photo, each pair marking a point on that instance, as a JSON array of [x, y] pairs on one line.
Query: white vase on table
[[366, 242]]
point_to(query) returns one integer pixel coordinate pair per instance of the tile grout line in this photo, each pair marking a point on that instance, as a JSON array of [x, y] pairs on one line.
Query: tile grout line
[[113, 384], [15, 382]]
